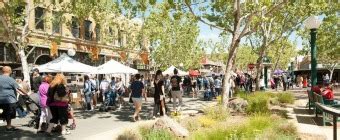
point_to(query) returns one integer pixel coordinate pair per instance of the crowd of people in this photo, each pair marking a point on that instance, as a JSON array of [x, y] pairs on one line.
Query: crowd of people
[[53, 94]]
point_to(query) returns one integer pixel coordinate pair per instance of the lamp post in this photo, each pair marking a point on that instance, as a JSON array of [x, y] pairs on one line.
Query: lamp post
[[71, 52], [313, 24], [266, 63]]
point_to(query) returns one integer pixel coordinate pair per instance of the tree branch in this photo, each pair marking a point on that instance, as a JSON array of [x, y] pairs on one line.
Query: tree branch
[[30, 51], [205, 22], [270, 12]]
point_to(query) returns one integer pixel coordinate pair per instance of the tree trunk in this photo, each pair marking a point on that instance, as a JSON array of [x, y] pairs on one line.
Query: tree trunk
[[24, 66], [258, 72], [259, 67], [331, 70], [228, 70]]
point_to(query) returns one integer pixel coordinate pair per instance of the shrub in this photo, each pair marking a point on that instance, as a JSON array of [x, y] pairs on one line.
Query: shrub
[[206, 122], [192, 124], [153, 134], [257, 103], [218, 112], [287, 129], [130, 135], [286, 98]]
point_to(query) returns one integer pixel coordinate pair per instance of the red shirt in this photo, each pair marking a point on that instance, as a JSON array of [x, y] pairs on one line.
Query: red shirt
[[328, 94], [316, 89]]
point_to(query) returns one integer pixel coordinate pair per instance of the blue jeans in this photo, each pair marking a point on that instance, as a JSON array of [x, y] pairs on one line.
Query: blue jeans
[[88, 97], [21, 112]]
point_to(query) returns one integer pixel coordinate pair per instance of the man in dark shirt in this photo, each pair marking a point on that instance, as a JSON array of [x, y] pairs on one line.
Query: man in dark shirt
[[8, 99], [176, 89], [36, 81]]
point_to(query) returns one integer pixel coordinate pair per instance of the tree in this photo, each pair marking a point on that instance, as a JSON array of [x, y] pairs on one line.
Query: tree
[[246, 55], [273, 32], [236, 18], [173, 37], [281, 53], [15, 16], [217, 50]]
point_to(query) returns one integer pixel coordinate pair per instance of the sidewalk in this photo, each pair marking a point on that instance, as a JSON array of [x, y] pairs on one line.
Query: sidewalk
[[308, 126], [98, 125]]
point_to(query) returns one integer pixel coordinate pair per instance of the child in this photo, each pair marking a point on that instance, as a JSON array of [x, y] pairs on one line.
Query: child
[[71, 116]]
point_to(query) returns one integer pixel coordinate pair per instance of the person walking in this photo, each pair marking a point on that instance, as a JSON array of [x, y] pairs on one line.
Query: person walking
[[120, 90], [194, 87], [218, 85], [57, 101], [159, 96], [20, 101], [137, 92], [8, 99], [176, 90], [87, 92], [112, 94], [284, 82], [104, 89], [36, 81], [45, 116], [95, 85], [167, 87]]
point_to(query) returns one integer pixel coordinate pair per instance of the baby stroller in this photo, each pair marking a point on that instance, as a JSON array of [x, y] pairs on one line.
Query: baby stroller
[[32, 104], [108, 103]]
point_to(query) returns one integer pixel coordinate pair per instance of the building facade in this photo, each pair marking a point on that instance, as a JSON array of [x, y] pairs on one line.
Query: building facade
[[46, 27]]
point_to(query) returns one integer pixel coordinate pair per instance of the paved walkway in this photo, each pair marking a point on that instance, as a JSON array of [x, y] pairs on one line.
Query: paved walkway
[[97, 125], [308, 125]]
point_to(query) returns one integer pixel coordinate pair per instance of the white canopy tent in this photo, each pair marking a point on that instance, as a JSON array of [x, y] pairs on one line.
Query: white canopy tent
[[65, 64], [170, 71], [114, 67]]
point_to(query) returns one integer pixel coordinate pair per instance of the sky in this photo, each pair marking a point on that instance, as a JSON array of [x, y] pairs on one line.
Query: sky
[[207, 33]]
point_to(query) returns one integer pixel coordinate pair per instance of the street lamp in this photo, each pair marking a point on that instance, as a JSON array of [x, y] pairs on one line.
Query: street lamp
[[266, 63], [71, 52], [313, 24]]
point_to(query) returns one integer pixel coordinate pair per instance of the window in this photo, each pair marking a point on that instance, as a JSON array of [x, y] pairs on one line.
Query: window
[[2, 52], [120, 38], [56, 23], [87, 27], [19, 15], [97, 32], [75, 27], [39, 21]]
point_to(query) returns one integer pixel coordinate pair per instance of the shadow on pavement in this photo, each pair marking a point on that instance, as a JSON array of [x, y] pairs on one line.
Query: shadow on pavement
[[126, 112], [25, 135]]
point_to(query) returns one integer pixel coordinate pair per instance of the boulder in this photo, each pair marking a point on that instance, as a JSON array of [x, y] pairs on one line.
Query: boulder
[[238, 104], [174, 127]]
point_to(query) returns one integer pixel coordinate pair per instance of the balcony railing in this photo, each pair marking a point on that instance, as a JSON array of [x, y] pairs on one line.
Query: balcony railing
[[141, 67]]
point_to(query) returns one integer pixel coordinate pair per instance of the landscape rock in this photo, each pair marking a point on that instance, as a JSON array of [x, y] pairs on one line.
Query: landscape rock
[[238, 104], [174, 127]]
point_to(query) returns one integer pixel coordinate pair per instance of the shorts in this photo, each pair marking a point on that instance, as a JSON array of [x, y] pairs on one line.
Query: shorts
[[137, 100], [9, 111], [59, 115]]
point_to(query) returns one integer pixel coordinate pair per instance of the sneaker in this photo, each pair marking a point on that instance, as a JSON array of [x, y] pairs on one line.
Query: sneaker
[[66, 132], [12, 129]]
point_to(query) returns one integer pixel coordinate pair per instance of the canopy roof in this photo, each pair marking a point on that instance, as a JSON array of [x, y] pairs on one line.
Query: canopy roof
[[114, 67], [65, 64], [170, 71]]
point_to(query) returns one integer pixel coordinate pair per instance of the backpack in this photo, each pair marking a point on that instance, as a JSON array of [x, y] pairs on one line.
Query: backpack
[[93, 87]]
